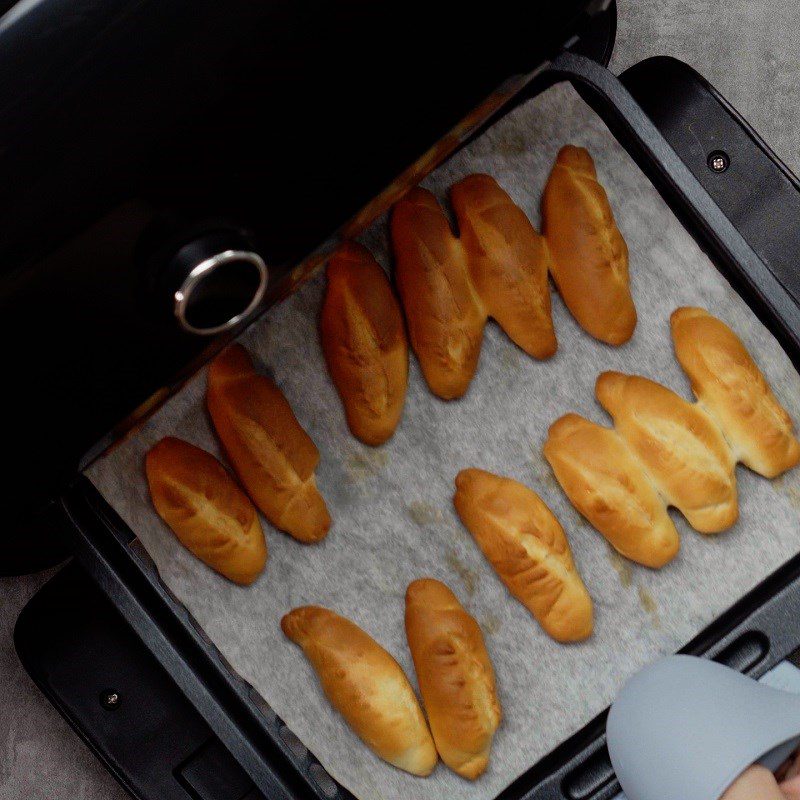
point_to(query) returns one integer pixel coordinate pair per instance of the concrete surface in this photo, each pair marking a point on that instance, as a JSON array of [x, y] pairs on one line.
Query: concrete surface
[[749, 49]]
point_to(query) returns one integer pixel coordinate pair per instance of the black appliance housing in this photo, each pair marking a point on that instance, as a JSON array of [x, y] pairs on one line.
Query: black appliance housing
[[227, 728], [139, 136]]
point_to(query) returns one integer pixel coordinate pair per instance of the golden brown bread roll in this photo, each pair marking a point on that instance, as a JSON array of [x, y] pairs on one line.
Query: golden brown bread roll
[[444, 314], [364, 343], [681, 447], [606, 482], [589, 257], [273, 456], [729, 385], [366, 686], [508, 262], [455, 676], [208, 512], [526, 545]]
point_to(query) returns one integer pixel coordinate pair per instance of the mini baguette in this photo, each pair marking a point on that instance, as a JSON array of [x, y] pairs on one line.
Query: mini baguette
[[681, 447], [273, 456], [366, 686], [364, 343], [445, 316], [508, 263], [729, 385], [211, 516], [607, 484], [589, 257], [455, 676], [527, 547]]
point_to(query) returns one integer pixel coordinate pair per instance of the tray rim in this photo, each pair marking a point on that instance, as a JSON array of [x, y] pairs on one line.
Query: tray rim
[[168, 630]]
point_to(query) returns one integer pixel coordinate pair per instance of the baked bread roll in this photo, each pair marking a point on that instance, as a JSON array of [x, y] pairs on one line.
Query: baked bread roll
[[211, 516], [729, 385], [366, 686], [273, 456], [445, 316], [606, 482], [508, 262], [589, 257], [681, 447], [455, 676], [527, 547], [364, 343]]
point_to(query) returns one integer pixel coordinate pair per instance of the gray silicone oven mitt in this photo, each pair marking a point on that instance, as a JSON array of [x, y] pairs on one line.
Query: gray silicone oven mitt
[[685, 728]]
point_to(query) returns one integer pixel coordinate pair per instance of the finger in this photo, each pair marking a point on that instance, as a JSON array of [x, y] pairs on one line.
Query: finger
[[791, 788], [794, 768], [755, 783]]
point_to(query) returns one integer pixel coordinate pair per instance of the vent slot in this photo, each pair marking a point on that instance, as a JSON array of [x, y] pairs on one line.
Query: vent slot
[[745, 652], [590, 777]]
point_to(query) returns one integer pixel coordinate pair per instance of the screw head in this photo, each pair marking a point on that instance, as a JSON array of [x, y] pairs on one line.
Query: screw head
[[109, 699], [718, 161]]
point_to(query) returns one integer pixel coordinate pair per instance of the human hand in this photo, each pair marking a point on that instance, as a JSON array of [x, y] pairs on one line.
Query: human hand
[[758, 783]]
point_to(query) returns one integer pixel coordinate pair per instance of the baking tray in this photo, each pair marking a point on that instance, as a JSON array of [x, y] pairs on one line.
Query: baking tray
[[201, 672]]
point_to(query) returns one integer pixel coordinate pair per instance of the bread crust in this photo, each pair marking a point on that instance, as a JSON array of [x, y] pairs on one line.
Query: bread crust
[[729, 385], [589, 257], [680, 446], [508, 263], [273, 456], [444, 314], [202, 504], [364, 343], [606, 482], [455, 676], [366, 686], [527, 547]]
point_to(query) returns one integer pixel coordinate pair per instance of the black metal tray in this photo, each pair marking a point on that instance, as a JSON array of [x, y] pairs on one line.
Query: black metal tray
[[755, 634]]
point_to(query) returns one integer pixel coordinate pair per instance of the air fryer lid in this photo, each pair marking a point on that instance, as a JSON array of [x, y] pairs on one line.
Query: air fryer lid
[[129, 129]]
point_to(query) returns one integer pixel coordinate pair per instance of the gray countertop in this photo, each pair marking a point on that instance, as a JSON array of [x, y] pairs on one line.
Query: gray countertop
[[748, 49]]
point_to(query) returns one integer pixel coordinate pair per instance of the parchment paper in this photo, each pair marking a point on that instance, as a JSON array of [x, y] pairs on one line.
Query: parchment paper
[[392, 506]]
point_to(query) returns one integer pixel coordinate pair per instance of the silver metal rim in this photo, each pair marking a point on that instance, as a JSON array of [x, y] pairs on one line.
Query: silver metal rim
[[201, 271]]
